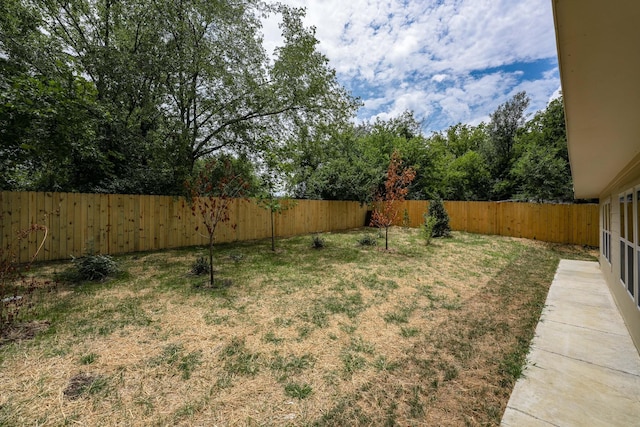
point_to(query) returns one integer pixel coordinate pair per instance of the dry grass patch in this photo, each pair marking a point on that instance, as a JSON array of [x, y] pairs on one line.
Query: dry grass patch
[[345, 335]]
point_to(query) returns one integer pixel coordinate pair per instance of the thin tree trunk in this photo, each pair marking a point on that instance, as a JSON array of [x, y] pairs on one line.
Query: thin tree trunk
[[273, 234], [211, 260], [386, 238]]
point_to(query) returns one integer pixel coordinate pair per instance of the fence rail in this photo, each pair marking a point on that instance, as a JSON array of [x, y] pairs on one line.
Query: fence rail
[[116, 223]]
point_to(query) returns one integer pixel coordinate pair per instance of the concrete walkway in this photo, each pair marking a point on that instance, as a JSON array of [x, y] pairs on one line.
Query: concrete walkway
[[583, 369]]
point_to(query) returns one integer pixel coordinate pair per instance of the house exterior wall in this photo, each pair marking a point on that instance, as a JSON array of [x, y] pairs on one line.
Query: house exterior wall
[[620, 245]]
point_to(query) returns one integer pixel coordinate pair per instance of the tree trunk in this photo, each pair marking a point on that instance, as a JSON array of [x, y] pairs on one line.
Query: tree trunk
[[211, 260], [273, 234], [386, 238]]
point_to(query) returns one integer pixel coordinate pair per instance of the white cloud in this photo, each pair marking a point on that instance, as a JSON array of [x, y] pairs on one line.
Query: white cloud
[[439, 77], [442, 58]]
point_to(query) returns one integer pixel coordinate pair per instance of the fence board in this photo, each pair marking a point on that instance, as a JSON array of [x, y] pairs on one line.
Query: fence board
[[24, 224], [113, 224]]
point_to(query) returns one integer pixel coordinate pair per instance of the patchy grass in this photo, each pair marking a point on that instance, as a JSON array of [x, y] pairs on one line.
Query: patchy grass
[[347, 335]]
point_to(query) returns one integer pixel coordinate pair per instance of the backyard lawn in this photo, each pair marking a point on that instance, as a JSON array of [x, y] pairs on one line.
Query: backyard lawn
[[343, 335]]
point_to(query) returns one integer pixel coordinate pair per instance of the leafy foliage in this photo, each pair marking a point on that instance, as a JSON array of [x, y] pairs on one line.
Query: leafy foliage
[[542, 171], [134, 97], [94, 267], [395, 190], [211, 198], [507, 158], [132, 94], [427, 228], [506, 122], [441, 227]]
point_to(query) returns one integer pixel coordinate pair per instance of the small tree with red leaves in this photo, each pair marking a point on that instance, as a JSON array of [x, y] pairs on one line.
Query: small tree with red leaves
[[212, 194], [387, 202]]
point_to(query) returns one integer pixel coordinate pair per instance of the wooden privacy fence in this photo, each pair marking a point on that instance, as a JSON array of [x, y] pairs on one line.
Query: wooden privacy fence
[[558, 223], [116, 223]]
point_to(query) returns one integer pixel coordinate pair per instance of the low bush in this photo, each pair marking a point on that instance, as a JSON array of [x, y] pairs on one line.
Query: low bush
[[441, 227], [200, 266], [318, 242], [93, 268], [368, 240], [427, 228]]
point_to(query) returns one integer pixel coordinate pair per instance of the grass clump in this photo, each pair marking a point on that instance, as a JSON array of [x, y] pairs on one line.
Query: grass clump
[[88, 359], [298, 391], [238, 359], [292, 364], [400, 315], [172, 355]]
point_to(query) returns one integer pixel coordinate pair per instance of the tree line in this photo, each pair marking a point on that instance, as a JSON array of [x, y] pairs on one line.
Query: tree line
[[138, 96], [508, 158]]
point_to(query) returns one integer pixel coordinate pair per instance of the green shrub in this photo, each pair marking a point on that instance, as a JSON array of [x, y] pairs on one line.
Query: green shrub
[[441, 227], [318, 242], [200, 266], [427, 228], [93, 267], [406, 220], [368, 240]]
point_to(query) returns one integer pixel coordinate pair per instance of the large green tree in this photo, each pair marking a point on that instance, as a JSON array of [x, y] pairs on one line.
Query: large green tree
[[47, 109], [352, 162], [175, 80], [541, 171], [348, 168], [508, 119]]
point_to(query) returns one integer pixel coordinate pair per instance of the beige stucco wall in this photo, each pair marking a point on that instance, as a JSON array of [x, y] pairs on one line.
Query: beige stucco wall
[[627, 304]]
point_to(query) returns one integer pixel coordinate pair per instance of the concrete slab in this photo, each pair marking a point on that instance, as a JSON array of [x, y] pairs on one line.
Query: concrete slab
[[583, 368], [578, 343], [574, 313]]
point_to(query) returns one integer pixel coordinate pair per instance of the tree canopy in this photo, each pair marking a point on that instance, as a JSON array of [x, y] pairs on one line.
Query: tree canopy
[[127, 96], [509, 158]]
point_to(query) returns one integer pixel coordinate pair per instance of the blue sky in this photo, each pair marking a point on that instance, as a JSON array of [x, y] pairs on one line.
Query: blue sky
[[449, 61]]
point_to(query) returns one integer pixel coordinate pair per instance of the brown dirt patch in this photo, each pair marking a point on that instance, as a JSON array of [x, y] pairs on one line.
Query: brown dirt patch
[[22, 331]]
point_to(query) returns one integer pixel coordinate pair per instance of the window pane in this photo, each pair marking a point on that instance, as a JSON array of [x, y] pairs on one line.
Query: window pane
[[630, 221], [637, 208], [623, 230], [622, 263], [630, 269]]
